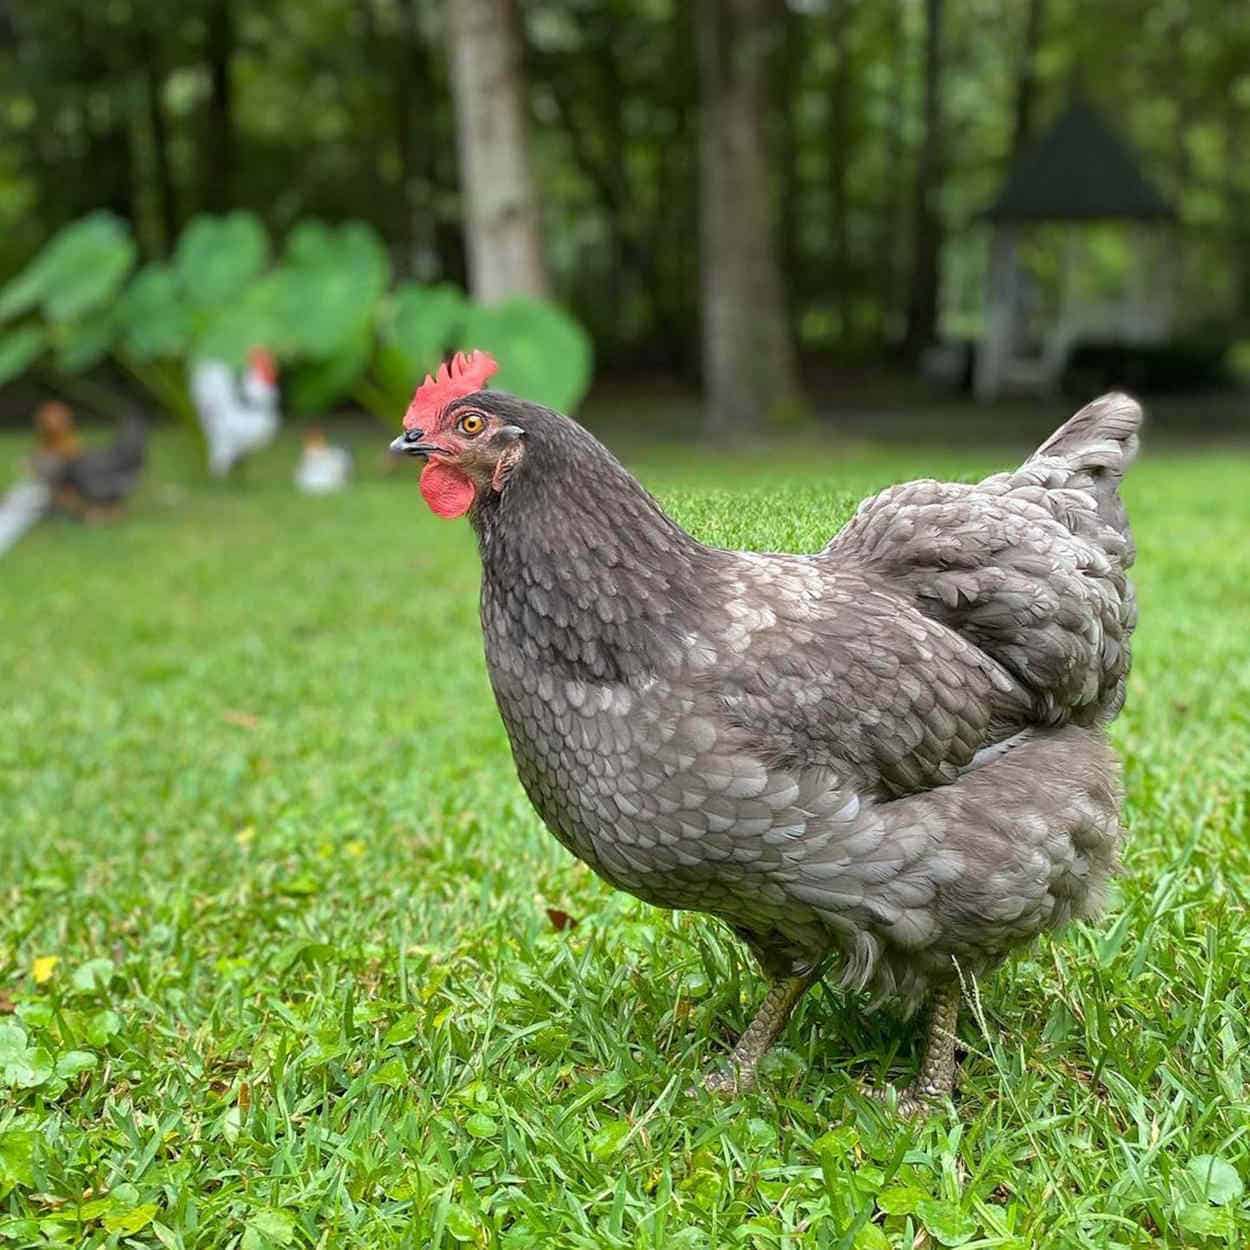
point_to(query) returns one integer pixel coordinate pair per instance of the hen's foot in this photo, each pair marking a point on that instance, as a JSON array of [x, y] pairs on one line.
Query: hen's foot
[[728, 1082], [738, 1076], [915, 1101], [936, 1078]]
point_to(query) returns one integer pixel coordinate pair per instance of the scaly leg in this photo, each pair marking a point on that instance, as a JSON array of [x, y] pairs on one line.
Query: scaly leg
[[738, 1075], [936, 1078]]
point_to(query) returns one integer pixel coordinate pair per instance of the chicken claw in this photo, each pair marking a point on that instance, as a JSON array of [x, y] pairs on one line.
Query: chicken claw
[[936, 1078], [738, 1076]]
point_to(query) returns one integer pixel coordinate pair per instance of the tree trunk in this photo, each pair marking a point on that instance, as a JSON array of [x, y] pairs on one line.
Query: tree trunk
[[839, 132], [677, 268], [789, 91], [111, 160], [1026, 78], [158, 128], [219, 165], [501, 208], [1185, 107], [408, 80], [922, 310], [748, 358], [1236, 206], [890, 225]]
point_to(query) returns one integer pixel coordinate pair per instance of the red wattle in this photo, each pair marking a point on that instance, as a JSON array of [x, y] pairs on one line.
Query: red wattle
[[448, 491]]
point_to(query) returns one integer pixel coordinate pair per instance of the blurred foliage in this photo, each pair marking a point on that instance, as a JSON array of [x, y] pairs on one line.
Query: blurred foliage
[[339, 110], [62, 297], [542, 354], [421, 319], [323, 308], [218, 258], [79, 270]]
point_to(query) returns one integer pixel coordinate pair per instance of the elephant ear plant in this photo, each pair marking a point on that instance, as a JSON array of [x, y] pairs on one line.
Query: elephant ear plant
[[211, 301], [547, 355], [334, 281], [324, 303], [63, 306]]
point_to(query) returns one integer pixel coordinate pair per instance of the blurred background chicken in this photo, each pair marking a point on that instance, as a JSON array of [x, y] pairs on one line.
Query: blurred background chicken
[[89, 483], [322, 468], [238, 415], [21, 507]]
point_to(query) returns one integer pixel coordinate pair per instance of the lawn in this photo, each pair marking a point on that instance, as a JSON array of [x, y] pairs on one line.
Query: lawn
[[287, 960]]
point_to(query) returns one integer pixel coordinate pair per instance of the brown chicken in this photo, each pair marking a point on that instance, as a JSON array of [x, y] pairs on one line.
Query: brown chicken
[[886, 761]]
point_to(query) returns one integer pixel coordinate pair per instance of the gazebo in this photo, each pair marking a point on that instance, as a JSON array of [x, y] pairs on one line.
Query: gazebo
[[1077, 174]]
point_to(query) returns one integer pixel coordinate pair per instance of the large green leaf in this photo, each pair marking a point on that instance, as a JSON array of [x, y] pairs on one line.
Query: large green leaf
[[423, 324], [356, 245], [333, 281], [396, 378], [256, 318], [80, 268], [317, 385], [217, 259], [19, 349], [544, 355], [81, 344], [155, 319]]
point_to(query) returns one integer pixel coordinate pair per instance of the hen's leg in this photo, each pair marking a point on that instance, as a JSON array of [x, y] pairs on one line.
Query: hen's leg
[[936, 1078], [738, 1075]]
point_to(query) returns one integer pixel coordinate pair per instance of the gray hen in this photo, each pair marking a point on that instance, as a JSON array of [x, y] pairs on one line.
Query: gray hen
[[886, 761]]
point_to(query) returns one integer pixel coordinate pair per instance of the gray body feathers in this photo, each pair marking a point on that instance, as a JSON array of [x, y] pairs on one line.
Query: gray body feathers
[[101, 475], [890, 754]]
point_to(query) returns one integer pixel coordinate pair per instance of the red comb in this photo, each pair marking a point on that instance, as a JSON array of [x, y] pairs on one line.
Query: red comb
[[462, 376], [261, 362]]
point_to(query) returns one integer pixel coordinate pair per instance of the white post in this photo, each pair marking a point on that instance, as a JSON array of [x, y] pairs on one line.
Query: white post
[[1068, 324], [998, 341]]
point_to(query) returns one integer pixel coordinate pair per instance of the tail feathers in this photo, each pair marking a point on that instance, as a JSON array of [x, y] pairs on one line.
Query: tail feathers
[[1091, 453], [1100, 442]]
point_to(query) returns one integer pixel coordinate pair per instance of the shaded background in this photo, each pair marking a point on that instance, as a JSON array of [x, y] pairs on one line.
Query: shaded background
[[815, 170]]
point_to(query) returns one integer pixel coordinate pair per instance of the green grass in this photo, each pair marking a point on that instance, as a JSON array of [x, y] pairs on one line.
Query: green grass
[[257, 806]]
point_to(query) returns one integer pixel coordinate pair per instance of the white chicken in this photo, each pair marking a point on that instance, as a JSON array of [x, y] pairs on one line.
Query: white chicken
[[322, 469], [24, 504], [238, 418]]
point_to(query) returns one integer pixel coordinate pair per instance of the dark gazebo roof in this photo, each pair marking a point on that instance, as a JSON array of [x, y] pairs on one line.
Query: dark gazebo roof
[[1079, 170]]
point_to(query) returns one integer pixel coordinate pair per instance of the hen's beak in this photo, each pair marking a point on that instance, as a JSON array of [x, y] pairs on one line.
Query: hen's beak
[[410, 443]]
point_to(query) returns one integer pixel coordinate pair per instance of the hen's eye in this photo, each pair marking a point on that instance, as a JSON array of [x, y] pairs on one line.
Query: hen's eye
[[472, 423]]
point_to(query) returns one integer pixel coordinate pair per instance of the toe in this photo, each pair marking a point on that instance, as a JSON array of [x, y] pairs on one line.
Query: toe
[[727, 1083], [911, 1103], [913, 1106]]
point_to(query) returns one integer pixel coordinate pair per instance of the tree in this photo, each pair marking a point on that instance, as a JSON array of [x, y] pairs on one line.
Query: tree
[[162, 176], [893, 182], [501, 208], [748, 358], [1026, 78], [343, 109], [839, 159], [220, 165], [922, 307]]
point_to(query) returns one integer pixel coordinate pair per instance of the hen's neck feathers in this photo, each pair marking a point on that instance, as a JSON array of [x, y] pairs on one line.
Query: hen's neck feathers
[[581, 570]]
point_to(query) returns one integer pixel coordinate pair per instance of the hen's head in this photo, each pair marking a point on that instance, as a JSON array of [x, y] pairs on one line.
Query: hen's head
[[57, 433], [262, 366], [468, 436]]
